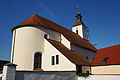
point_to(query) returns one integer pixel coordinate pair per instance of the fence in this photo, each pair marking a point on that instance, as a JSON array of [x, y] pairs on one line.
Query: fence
[[10, 73], [46, 75]]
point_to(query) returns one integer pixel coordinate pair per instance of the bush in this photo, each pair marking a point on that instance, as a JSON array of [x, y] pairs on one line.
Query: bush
[[85, 75]]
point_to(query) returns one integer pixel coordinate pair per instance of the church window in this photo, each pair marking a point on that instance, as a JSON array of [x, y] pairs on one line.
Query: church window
[[57, 59], [105, 60], [77, 31], [53, 60], [46, 36], [37, 60]]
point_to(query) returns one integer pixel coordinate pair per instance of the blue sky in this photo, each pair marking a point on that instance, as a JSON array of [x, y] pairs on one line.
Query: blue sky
[[101, 16]]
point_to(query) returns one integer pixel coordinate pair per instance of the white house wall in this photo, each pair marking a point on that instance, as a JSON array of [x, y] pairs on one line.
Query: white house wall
[[65, 41], [64, 63], [110, 69], [84, 52]]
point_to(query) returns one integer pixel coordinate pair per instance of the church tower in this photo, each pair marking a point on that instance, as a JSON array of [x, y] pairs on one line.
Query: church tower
[[80, 28]]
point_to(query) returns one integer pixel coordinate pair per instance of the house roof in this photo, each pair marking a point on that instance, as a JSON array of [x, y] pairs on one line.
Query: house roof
[[74, 38], [112, 53], [73, 56]]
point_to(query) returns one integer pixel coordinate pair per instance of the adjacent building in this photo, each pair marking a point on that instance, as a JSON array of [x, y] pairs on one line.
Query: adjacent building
[[107, 61]]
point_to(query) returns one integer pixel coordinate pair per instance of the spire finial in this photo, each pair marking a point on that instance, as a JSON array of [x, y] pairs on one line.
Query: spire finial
[[78, 16]]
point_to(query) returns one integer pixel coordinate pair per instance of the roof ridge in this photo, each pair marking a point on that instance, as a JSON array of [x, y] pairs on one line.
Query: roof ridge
[[68, 53], [110, 47], [40, 21]]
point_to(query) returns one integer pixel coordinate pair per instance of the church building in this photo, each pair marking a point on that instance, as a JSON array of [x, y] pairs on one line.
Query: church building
[[39, 44]]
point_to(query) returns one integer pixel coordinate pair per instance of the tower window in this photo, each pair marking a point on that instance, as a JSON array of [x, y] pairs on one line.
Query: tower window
[[77, 31], [37, 60], [53, 60], [57, 59], [105, 60]]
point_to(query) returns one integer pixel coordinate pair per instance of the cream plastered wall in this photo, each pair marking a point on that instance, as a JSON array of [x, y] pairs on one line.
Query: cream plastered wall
[[26, 42], [52, 34], [110, 69], [79, 28], [65, 42], [83, 52], [64, 63], [85, 69]]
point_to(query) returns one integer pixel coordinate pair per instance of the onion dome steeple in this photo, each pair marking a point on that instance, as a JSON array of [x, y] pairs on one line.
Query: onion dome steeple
[[78, 17], [80, 28]]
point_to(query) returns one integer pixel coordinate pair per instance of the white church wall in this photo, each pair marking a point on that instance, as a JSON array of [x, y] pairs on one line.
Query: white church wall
[[83, 52], [52, 34], [79, 28], [28, 40], [65, 41], [64, 63], [109, 69]]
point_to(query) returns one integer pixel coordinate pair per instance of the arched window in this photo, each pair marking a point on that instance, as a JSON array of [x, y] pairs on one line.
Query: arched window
[[37, 60], [77, 31]]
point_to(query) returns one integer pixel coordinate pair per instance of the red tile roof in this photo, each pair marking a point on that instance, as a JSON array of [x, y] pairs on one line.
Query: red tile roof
[[74, 57], [74, 38], [113, 54], [77, 23]]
